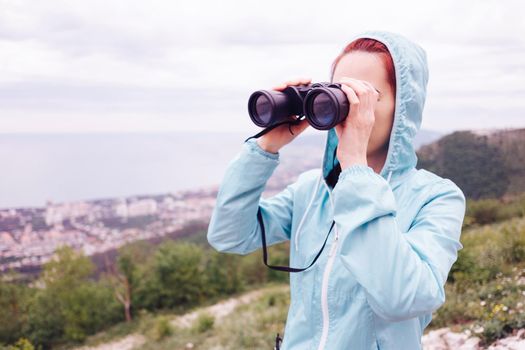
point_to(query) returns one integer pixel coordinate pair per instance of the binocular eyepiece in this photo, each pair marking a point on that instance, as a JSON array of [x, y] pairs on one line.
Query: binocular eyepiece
[[324, 105]]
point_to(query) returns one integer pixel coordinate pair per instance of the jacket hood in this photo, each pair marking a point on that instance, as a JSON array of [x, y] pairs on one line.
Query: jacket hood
[[411, 70]]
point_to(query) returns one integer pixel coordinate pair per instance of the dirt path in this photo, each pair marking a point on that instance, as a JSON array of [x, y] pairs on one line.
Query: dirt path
[[219, 310], [127, 343]]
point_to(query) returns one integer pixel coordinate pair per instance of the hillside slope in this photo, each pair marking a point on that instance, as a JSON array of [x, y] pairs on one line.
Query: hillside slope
[[484, 164]]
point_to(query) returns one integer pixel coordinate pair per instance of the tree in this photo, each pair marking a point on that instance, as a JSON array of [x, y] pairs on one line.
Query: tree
[[124, 275], [14, 298], [223, 274], [69, 305], [176, 276]]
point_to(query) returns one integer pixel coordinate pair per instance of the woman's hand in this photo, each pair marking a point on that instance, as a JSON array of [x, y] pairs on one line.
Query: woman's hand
[[354, 132], [275, 139]]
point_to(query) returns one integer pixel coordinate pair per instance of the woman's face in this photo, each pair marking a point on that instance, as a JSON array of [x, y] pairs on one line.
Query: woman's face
[[369, 67]]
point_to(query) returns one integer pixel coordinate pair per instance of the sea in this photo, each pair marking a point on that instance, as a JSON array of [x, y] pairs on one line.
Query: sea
[[46, 167]]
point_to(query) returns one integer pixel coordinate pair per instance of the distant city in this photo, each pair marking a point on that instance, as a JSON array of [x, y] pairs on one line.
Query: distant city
[[29, 236]]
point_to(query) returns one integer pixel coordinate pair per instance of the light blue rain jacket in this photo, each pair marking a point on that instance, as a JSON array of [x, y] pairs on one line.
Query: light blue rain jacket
[[397, 233]]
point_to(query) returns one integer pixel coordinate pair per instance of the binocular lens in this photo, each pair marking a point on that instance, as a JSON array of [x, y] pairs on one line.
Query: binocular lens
[[323, 110], [326, 106], [270, 107], [263, 109]]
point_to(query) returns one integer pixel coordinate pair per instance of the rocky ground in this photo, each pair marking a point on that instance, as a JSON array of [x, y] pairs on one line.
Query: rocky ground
[[445, 339]]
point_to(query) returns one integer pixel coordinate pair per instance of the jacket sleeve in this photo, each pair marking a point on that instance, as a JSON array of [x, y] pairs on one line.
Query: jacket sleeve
[[233, 226], [403, 273]]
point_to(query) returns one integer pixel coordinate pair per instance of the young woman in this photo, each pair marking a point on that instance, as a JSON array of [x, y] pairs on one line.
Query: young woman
[[397, 228]]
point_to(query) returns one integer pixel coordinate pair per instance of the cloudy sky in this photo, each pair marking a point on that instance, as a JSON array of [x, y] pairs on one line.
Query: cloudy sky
[[70, 66]]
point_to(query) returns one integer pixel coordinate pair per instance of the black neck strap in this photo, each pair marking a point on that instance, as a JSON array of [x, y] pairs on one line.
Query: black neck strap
[[259, 215], [273, 126], [286, 268]]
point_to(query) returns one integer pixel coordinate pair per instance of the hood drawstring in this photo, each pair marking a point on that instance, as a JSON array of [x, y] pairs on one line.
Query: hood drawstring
[[319, 179]]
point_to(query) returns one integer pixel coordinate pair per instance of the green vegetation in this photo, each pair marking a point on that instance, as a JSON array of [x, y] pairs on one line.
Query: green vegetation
[[162, 328], [66, 304], [485, 292], [491, 210], [204, 323], [63, 304]]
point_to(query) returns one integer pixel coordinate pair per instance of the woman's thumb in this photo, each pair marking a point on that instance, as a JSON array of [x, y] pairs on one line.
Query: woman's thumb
[[299, 128]]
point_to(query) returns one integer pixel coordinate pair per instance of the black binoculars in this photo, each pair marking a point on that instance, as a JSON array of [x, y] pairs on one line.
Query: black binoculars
[[324, 105]]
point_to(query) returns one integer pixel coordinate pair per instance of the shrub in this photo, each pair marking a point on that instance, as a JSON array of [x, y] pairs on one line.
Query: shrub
[[162, 328], [204, 322], [21, 344]]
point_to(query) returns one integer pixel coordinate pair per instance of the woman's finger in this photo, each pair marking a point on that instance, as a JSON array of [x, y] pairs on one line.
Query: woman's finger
[[370, 86], [375, 92], [351, 95], [358, 86], [279, 87], [306, 81], [295, 82]]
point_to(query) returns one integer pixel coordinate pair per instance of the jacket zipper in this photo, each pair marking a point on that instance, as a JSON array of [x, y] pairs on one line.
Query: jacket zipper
[[324, 288], [326, 275]]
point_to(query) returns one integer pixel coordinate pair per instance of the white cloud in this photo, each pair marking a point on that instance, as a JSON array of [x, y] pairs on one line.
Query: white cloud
[[77, 65]]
